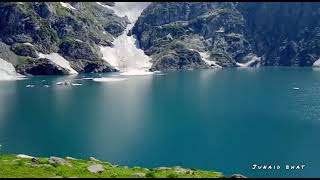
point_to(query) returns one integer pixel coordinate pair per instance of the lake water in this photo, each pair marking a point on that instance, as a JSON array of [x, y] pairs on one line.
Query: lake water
[[224, 120]]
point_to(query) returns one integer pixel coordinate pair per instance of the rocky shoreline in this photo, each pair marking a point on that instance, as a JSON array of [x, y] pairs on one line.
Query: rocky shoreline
[[23, 166]]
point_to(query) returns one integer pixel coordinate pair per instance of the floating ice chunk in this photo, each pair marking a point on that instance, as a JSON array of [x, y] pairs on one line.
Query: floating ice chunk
[[62, 83], [108, 79], [136, 73], [87, 78], [30, 86]]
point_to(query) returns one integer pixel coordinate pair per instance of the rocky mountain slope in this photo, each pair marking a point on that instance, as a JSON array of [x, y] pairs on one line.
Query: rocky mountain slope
[[45, 38], [33, 34], [230, 34]]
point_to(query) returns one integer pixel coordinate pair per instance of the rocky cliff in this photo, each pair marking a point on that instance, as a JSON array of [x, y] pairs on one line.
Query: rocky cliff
[[43, 38], [72, 30], [177, 35]]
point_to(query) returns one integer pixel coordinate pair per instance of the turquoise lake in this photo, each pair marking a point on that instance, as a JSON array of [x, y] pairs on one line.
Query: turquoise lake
[[224, 120]]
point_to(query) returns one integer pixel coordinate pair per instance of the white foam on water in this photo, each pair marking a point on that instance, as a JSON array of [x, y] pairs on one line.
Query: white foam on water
[[8, 72], [126, 55], [67, 5], [105, 79], [60, 61]]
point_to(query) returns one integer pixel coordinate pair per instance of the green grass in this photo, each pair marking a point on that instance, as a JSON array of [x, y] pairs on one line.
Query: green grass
[[13, 167]]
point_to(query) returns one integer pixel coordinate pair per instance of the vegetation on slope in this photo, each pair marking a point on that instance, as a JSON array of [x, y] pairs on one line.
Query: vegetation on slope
[[12, 166]]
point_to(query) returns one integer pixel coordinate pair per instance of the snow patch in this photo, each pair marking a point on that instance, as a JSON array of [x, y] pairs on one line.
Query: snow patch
[[316, 63], [8, 72], [103, 5], [59, 60], [126, 54], [252, 60], [67, 5], [78, 40], [29, 44], [130, 9], [205, 57]]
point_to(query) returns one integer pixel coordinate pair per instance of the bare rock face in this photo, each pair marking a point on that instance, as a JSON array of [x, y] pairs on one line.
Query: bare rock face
[[96, 169], [40, 66], [282, 34], [49, 27], [24, 50]]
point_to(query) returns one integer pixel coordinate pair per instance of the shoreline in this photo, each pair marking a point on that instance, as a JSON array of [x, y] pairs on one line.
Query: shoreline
[[24, 166]]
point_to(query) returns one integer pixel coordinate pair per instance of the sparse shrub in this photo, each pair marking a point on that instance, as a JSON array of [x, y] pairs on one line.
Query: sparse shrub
[[151, 175], [172, 176]]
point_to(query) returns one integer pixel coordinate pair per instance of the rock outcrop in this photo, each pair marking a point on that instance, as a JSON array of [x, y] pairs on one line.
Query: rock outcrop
[[96, 169], [177, 35], [75, 30], [282, 34]]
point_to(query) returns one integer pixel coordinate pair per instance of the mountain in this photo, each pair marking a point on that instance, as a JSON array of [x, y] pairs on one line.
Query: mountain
[[46, 38], [229, 34]]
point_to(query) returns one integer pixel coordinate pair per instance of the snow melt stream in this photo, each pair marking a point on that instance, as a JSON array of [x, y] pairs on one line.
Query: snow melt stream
[[126, 55]]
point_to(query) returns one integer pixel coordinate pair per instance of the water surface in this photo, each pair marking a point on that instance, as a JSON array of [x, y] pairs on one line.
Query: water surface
[[224, 120]]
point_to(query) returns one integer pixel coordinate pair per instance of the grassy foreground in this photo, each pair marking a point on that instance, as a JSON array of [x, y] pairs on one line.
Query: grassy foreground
[[12, 166]]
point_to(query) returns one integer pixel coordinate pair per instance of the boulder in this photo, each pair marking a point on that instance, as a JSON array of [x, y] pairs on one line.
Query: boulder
[[58, 161], [96, 169], [180, 170], [139, 174]]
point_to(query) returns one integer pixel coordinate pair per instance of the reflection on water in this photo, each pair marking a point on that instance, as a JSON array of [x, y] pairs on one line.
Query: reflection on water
[[7, 92], [223, 119]]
